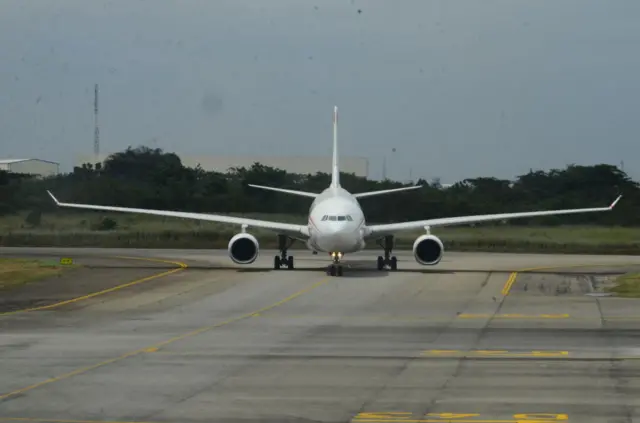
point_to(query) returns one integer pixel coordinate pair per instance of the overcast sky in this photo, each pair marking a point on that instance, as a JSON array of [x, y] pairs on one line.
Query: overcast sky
[[459, 88]]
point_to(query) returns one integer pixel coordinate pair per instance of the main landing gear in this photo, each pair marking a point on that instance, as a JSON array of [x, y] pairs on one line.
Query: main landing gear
[[283, 259], [387, 260], [335, 268]]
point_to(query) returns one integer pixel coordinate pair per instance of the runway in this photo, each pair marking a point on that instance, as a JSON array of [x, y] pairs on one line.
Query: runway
[[478, 338]]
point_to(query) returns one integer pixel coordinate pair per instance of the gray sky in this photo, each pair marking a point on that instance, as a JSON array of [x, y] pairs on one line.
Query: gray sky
[[459, 88]]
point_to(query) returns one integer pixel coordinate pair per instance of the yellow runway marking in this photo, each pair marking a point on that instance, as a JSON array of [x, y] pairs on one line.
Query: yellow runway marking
[[379, 417], [393, 417], [495, 353], [450, 421], [506, 289], [156, 347], [181, 266], [509, 283]]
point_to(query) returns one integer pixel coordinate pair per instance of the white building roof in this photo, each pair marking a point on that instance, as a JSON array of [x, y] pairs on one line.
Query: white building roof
[[9, 161]]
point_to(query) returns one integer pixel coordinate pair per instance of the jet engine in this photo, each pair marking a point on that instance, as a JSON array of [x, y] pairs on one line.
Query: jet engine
[[243, 248], [428, 250]]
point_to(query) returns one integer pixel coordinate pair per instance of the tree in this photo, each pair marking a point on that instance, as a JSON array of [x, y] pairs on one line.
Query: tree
[[151, 178]]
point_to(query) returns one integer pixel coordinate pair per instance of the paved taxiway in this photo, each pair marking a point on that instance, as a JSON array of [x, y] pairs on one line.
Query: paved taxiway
[[211, 343]]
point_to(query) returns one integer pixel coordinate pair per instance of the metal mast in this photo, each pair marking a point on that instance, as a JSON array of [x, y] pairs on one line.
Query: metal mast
[[96, 133]]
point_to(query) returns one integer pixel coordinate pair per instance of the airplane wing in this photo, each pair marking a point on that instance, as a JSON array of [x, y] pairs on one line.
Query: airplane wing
[[295, 231], [385, 191], [286, 191], [391, 228]]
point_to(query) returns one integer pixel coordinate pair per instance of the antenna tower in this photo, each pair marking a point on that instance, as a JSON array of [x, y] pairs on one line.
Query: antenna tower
[[96, 133], [384, 168]]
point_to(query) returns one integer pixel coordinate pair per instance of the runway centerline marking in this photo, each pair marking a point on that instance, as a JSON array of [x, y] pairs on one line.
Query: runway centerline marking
[[155, 347], [506, 289], [181, 266]]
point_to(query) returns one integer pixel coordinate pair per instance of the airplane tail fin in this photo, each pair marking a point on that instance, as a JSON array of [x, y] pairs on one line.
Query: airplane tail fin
[[335, 170]]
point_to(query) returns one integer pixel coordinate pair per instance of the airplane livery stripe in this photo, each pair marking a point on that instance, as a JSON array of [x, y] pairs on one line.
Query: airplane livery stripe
[[312, 223]]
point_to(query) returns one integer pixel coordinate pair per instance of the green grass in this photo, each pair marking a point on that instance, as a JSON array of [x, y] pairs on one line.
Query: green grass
[[65, 221], [16, 272], [72, 229], [627, 286]]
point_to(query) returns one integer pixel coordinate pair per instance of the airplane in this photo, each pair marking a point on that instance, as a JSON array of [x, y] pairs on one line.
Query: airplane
[[336, 225]]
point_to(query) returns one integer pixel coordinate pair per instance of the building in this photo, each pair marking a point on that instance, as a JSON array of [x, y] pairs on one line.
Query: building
[[292, 164], [37, 167]]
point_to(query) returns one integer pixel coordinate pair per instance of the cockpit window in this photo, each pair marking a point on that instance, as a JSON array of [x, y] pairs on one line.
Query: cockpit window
[[337, 218]]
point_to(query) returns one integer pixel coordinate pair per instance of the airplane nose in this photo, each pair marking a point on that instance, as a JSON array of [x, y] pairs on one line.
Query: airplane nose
[[335, 237], [335, 228]]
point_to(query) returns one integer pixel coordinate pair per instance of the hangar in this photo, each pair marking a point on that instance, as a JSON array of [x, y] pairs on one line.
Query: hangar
[[38, 167]]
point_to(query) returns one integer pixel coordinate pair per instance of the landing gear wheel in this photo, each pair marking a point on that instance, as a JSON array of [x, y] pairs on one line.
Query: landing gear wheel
[[283, 259], [334, 270], [387, 260], [394, 263]]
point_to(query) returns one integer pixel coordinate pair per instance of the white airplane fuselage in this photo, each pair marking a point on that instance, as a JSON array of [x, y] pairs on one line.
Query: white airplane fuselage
[[336, 222]]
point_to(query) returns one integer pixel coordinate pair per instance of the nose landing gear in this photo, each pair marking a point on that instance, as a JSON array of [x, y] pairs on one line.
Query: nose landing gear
[[335, 268], [387, 260], [283, 259]]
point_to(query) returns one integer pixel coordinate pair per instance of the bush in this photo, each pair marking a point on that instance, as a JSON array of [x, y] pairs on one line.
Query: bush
[[34, 218], [105, 224]]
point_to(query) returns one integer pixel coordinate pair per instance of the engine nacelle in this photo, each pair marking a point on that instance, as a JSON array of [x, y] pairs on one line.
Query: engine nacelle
[[428, 250], [243, 248]]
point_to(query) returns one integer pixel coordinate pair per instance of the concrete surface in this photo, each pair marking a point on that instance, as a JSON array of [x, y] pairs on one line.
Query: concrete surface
[[215, 344], [94, 274]]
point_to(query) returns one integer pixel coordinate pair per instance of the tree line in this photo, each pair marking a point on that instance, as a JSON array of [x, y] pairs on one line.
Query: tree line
[[151, 178]]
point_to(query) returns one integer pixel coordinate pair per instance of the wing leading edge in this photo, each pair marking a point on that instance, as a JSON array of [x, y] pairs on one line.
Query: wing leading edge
[[295, 231], [389, 229]]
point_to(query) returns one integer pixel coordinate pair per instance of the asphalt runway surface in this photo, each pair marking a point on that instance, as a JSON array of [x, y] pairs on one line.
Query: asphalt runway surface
[[478, 338]]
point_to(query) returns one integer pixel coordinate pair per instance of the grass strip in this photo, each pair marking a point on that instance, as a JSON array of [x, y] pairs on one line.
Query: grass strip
[[71, 229], [220, 239], [17, 272], [627, 285]]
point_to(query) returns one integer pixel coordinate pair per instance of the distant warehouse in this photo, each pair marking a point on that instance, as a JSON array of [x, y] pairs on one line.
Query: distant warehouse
[[41, 168], [292, 164]]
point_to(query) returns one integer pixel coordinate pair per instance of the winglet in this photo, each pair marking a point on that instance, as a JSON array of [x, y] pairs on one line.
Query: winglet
[[54, 198], [615, 202]]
